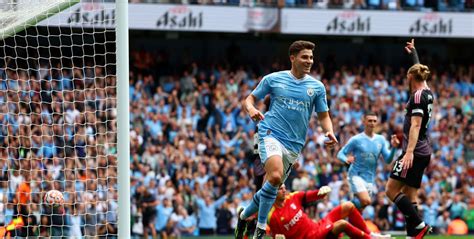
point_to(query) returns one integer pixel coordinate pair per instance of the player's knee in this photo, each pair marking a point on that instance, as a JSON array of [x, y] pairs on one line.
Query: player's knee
[[274, 178], [410, 192], [341, 223], [393, 188], [390, 192], [348, 205]]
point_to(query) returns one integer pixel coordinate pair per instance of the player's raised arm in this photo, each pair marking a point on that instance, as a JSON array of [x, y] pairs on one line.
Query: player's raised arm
[[410, 48], [318, 194], [313, 195]]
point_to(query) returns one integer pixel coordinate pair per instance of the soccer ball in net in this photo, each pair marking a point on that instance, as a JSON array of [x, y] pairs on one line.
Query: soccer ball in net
[[54, 198]]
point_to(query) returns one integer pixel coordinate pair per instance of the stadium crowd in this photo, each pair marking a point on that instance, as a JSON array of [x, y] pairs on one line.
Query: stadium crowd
[[58, 132], [436, 5], [192, 145]]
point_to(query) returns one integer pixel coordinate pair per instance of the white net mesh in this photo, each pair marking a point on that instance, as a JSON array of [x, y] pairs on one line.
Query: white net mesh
[[19, 14], [57, 118]]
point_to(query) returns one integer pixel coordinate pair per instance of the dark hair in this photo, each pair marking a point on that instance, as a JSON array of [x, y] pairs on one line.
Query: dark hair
[[419, 72], [369, 113], [300, 45]]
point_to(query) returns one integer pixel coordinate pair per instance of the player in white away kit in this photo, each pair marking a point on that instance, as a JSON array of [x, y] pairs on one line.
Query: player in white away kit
[[294, 96], [366, 149]]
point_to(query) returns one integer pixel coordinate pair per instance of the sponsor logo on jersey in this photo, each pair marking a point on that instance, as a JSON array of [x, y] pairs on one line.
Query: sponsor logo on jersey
[[294, 104], [294, 220]]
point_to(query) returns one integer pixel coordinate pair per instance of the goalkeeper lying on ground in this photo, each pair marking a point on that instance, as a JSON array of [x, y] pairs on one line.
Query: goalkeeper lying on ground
[[287, 218]]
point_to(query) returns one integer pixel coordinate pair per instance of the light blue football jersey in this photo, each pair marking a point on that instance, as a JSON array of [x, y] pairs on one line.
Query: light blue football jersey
[[292, 102], [366, 151]]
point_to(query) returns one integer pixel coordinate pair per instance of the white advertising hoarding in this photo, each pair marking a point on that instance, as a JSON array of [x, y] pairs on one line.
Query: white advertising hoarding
[[169, 17], [156, 17], [187, 18], [377, 23], [85, 15]]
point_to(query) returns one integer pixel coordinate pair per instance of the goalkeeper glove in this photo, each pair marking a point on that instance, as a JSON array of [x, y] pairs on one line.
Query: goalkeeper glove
[[323, 191]]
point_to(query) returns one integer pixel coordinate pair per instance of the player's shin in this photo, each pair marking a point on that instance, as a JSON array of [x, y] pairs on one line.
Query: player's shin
[[356, 233], [415, 206], [406, 207], [356, 219], [268, 194], [252, 208]]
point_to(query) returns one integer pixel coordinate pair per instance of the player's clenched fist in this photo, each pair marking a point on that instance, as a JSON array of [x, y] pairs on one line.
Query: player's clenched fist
[[324, 190], [256, 115], [331, 140]]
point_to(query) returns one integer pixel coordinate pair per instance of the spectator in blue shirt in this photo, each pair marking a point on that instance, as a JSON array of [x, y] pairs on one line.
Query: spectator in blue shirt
[[207, 209], [430, 211], [457, 208], [163, 213], [188, 223]]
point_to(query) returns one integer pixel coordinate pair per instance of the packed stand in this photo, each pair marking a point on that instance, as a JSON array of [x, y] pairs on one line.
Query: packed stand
[[192, 145], [58, 132], [409, 5]]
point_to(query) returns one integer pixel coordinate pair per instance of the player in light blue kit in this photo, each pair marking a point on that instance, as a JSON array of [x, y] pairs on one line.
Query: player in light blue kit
[[294, 96], [365, 148]]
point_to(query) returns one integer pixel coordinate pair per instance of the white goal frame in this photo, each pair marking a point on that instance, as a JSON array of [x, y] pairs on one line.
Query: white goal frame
[[11, 24], [123, 120]]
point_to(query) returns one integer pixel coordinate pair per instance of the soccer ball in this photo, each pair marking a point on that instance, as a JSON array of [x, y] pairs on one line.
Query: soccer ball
[[54, 198]]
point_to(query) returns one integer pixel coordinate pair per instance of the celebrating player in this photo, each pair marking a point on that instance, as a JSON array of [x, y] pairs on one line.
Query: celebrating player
[[405, 178], [282, 130], [287, 217], [365, 148]]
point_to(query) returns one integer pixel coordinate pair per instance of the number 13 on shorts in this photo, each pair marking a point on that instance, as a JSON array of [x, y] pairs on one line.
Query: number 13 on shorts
[[397, 168]]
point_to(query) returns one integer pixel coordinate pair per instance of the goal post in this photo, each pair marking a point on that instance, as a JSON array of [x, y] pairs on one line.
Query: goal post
[[64, 118], [123, 119]]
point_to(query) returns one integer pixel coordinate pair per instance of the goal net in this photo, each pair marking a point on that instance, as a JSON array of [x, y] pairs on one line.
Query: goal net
[[58, 118]]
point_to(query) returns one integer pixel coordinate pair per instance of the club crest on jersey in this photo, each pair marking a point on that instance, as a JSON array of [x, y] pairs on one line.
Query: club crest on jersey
[[310, 91], [379, 146], [293, 206]]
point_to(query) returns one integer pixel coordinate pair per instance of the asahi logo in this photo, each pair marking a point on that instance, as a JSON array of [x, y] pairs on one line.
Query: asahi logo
[[180, 17], [432, 23], [93, 14], [349, 22]]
